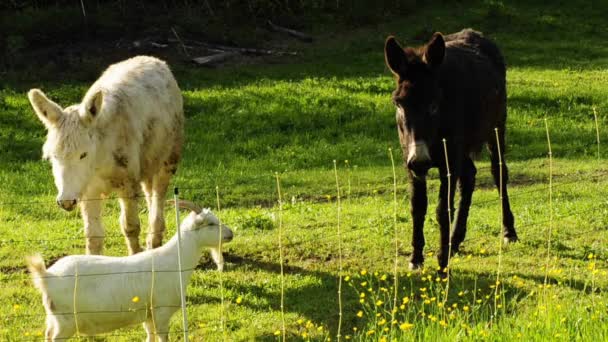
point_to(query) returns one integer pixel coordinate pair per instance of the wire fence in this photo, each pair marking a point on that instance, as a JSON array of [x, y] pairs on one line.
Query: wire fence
[[329, 236]]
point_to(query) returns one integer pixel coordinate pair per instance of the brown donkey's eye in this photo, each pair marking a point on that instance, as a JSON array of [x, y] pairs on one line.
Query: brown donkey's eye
[[82, 156]]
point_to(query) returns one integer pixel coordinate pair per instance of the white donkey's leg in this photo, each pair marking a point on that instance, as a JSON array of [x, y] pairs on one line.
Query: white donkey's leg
[[156, 217], [129, 219], [90, 208]]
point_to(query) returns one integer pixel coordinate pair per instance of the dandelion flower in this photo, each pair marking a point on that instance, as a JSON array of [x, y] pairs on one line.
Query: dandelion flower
[[406, 326], [360, 314], [382, 322], [384, 276], [465, 308], [347, 278], [277, 333], [379, 302], [363, 272], [370, 332], [239, 300], [364, 284]]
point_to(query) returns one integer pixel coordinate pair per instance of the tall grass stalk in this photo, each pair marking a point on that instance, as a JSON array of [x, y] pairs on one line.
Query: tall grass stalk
[[283, 330], [220, 274], [500, 195], [597, 133], [339, 335], [449, 176], [550, 231], [396, 237]]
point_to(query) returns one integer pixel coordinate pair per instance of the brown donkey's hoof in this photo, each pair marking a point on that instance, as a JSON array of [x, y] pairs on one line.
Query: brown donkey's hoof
[[414, 266]]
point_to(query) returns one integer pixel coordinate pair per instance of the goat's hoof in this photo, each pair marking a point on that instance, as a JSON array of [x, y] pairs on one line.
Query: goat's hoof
[[510, 239]]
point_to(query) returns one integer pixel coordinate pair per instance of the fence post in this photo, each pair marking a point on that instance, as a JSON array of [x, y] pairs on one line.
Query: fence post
[[179, 265], [339, 335]]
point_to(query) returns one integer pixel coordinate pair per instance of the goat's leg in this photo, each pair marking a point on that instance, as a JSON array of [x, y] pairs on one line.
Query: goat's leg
[[500, 173], [163, 316], [467, 185], [129, 219], [63, 329], [156, 209], [418, 205], [150, 333], [90, 209], [218, 258]]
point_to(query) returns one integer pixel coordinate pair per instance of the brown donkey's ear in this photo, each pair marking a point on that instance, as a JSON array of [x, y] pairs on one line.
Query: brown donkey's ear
[[394, 56], [435, 50]]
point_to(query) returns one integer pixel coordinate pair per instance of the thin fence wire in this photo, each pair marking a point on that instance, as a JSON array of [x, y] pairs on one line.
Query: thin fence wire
[[327, 238]]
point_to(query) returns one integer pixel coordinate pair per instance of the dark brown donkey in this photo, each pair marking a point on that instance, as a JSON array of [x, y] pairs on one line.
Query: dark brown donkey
[[452, 88]]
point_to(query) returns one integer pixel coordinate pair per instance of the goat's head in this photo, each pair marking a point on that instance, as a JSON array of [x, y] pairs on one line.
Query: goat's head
[[205, 224]]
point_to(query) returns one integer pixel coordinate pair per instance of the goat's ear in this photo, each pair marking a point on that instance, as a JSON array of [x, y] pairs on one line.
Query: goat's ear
[[47, 111], [435, 50], [394, 56], [91, 106]]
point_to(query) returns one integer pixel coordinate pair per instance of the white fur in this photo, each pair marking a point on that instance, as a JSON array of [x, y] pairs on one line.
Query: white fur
[[103, 295], [126, 133]]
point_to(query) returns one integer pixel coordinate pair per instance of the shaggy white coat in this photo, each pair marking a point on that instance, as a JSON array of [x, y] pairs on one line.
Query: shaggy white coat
[[124, 136]]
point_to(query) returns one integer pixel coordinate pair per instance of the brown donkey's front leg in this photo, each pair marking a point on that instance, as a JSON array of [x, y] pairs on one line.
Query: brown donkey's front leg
[[446, 196], [419, 204]]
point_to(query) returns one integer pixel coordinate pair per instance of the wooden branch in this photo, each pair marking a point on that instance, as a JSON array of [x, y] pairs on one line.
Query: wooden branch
[[244, 51], [296, 34], [180, 42], [214, 59]]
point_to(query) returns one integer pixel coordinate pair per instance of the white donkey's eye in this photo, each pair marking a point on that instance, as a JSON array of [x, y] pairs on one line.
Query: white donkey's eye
[[84, 155]]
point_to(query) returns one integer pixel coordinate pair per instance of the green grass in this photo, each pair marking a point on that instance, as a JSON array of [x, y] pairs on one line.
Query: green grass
[[332, 103]]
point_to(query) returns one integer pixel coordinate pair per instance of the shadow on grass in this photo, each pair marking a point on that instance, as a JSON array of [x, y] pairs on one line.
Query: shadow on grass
[[318, 302]]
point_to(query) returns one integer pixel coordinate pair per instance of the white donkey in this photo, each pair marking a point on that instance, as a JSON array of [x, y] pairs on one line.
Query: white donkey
[[126, 133]]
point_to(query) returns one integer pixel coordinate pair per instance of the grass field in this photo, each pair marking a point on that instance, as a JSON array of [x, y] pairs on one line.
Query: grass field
[[245, 123]]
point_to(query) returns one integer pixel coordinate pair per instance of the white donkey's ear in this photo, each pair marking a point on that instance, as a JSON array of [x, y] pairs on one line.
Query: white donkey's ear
[[47, 111], [91, 106]]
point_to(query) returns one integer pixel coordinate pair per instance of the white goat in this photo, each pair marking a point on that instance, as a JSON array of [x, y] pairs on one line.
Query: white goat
[[90, 294]]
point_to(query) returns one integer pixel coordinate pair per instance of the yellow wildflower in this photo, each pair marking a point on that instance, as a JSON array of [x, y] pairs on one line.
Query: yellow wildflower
[[406, 326]]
